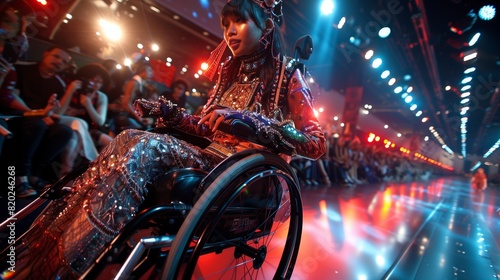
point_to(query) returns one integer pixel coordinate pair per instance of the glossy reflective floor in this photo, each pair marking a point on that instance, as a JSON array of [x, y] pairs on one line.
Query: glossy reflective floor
[[439, 229]]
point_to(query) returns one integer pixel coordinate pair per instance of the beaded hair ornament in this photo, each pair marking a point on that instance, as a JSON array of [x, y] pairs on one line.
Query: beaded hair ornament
[[271, 7]]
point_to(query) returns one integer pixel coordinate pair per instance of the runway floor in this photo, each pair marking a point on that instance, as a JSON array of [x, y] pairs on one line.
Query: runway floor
[[438, 229]]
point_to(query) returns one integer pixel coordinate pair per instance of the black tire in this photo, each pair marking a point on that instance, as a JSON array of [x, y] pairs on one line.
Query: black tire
[[200, 243]]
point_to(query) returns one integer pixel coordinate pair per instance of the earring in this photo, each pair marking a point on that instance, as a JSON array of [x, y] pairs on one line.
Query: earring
[[263, 40]]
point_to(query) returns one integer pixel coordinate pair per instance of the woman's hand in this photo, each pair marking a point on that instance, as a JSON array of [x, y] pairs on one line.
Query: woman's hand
[[75, 85], [214, 118], [85, 100], [52, 105]]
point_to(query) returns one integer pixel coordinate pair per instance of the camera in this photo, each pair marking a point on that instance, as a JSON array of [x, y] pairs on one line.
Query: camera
[[87, 86]]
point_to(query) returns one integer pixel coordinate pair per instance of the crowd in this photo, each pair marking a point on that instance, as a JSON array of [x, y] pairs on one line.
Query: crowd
[[349, 162], [61, 114]]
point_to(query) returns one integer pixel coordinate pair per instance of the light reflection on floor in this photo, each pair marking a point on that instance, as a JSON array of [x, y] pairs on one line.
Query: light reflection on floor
[[373, 231]]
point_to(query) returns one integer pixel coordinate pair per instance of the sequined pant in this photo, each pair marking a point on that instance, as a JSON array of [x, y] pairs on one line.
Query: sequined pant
[[72, 232]]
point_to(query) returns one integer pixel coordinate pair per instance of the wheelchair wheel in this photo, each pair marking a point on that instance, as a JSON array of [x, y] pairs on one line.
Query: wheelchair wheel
[[246, 225]]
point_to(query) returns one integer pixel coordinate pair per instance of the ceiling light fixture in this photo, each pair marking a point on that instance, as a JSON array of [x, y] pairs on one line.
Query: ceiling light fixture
[[470, 70], [376, 63], [465, 88], [474, 39], [369, 54], [385, 74], [487, 12], [384, 32], [470, 56], [341, 23], [466, 80]]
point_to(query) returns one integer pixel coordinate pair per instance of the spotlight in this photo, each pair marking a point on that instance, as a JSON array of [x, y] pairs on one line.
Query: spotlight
[[487, 12], [384, 32], [385, 74], [474, 39], [376, 63]]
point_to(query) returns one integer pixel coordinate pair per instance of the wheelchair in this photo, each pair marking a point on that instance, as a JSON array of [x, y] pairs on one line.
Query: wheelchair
[[242, 220]]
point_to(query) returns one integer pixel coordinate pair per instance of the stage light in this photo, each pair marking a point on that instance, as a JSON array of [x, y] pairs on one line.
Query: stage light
[[384, 32], [487, 12], [341, 23], [419, 113], [470, 70], [398, 89], [386, 126], [140, 46], [408, 99], [474, 39], [369, 54], [413, 107], [392, 81], [470, 56], [376, 63], [466, 80], [464, 101], [447, 88], [385, 74], [409, 89], [465, 88], [155, 47], [327, 7], [465, 94]]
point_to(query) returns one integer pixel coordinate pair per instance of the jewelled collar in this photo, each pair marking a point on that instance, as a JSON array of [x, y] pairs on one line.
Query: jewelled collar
[[253, 62]]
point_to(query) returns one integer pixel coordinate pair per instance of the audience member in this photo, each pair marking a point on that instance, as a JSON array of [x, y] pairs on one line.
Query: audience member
[[177, 92], [38, 137], [85, 109], [124, 115]]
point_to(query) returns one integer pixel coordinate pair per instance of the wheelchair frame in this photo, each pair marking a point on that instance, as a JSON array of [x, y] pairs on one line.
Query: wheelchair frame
[[219, 221]]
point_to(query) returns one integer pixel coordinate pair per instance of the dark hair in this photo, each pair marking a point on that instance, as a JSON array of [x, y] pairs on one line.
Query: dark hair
[[89, 71], [248, 9], [141, 67], [179, 82]]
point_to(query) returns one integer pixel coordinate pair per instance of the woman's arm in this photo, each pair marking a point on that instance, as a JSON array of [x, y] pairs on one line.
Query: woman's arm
[[308, 138], [68, 94], [98, 113]]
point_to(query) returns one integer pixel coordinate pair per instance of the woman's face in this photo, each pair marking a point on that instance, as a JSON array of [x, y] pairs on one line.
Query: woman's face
[[97, 83], [179, 90], [242, 36]]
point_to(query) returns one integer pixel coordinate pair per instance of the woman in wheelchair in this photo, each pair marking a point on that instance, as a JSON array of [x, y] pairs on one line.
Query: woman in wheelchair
[[260, 97]]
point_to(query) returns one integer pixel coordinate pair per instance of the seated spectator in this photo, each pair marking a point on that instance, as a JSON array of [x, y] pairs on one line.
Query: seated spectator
[[38, 137], [177, 92], [124, 115], [85, 108]]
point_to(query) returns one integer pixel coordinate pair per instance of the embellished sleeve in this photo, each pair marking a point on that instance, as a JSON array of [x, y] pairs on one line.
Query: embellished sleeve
[[168, 114], [308, 137]]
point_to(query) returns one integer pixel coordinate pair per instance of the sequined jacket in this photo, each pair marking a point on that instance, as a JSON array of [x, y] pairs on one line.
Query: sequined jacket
[[292, 99]]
